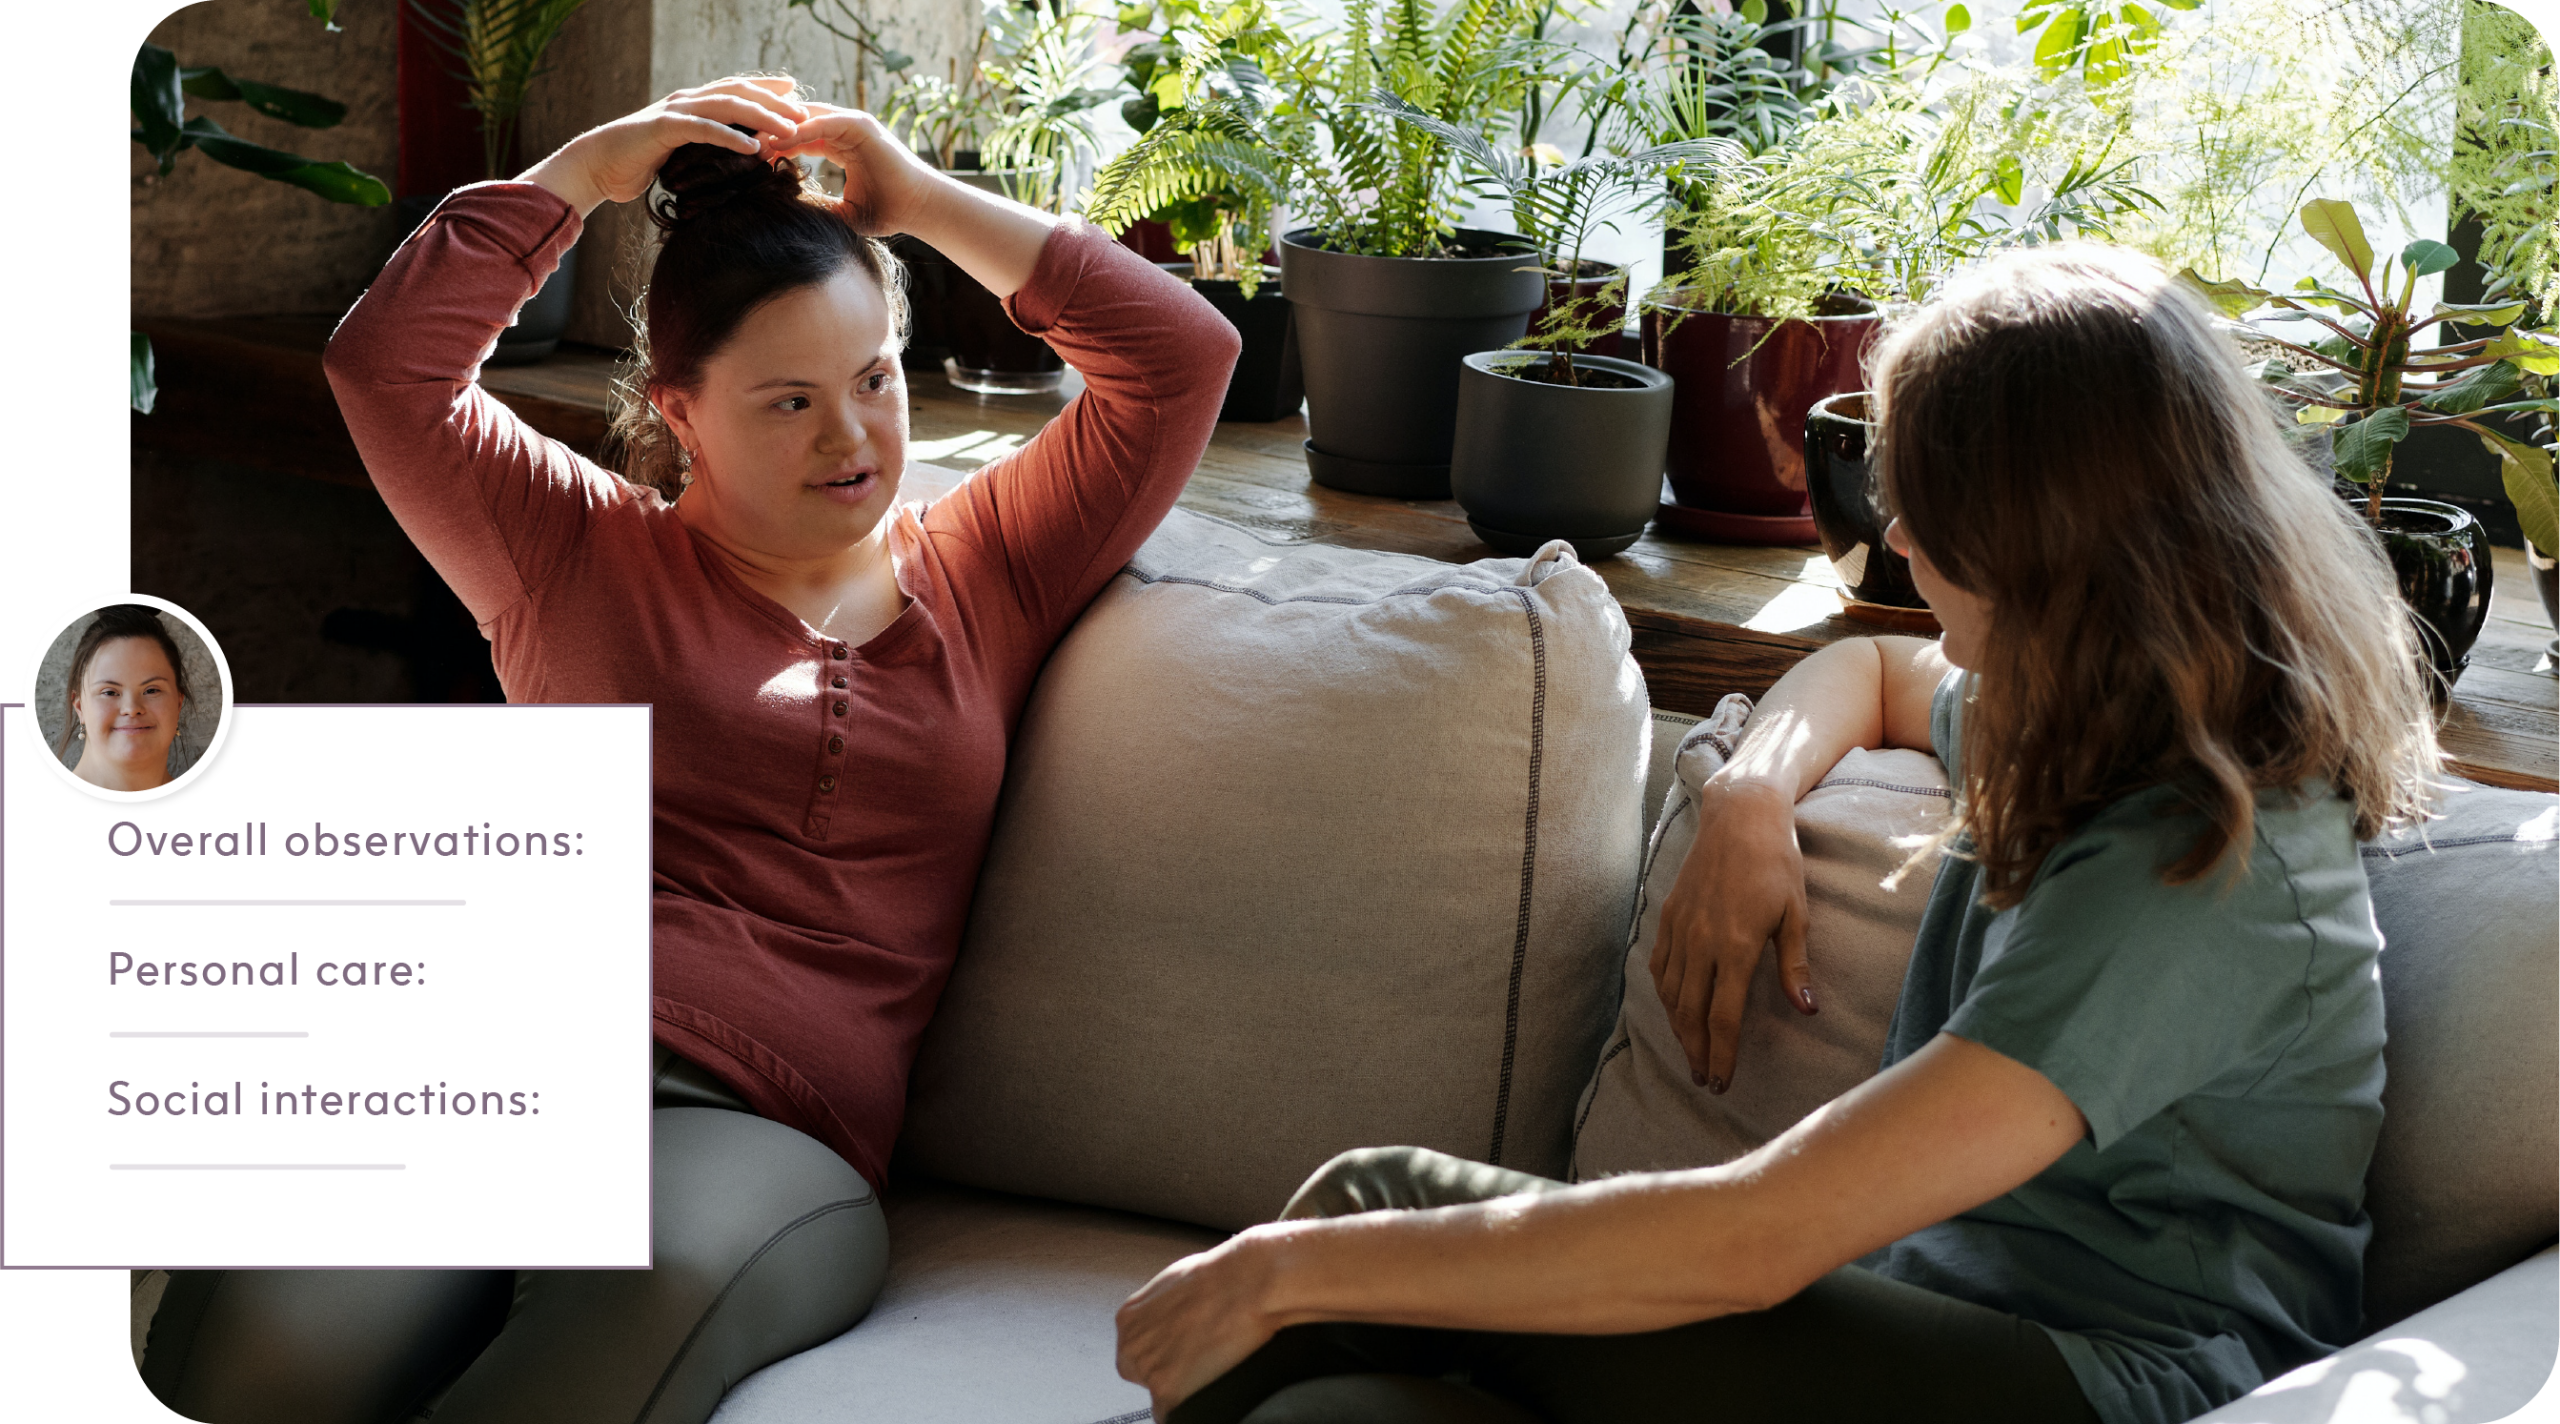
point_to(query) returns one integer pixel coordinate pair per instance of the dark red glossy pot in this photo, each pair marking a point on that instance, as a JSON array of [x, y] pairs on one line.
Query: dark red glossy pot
[[1611, 319], [1743, 386]]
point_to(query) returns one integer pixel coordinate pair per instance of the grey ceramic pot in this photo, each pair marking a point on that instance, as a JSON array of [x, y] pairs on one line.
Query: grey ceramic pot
[[1534, 461], [1380, 339]]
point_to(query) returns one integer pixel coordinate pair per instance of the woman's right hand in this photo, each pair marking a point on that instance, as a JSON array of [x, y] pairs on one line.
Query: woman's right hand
[[617, 161], [1741, 886]]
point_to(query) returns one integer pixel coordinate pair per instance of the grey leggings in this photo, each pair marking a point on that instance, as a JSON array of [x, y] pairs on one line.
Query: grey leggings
[[1853, 1346], [765, 1244]]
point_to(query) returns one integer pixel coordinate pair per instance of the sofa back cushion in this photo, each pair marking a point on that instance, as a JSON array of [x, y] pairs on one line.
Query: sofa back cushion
[[1301, 849], [1642, 1111], [2466, 1176]]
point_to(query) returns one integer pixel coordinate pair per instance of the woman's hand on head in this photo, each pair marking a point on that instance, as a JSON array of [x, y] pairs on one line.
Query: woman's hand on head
[[617, 161], [884, 182], [1741, 887], [1199, 1318]]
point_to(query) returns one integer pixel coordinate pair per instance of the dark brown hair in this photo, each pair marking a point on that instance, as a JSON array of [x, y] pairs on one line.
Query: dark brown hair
[[120, 620], [736, 231], [2175, 596]]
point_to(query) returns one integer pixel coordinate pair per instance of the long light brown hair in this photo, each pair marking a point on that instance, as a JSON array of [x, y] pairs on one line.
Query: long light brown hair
[[2176, 597]]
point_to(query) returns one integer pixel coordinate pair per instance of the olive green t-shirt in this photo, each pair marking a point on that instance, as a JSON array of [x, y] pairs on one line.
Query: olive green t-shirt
[[2224, 1040]]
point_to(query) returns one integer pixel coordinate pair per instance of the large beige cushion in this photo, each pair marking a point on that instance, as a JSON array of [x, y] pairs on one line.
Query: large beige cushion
[[2466, 1178], [1302, 849], [1643, 1111]]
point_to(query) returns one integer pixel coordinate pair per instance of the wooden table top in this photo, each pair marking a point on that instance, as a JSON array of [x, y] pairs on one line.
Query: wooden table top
[[1708, 618]]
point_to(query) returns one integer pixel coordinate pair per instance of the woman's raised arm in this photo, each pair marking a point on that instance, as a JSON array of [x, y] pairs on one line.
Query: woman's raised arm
[[1952, 1126], [1743, 883]]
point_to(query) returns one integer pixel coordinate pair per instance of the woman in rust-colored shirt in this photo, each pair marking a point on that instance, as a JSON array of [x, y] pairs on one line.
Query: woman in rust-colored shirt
[[835, 679]]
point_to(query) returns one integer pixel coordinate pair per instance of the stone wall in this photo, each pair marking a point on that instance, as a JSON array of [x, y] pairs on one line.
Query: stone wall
[[211, 241], [214, 241]]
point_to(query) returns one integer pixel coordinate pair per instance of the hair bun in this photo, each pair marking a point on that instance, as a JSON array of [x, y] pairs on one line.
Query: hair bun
[[700, 178]]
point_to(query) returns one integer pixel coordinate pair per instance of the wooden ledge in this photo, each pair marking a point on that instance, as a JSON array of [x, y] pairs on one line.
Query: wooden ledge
[[1708, 619]]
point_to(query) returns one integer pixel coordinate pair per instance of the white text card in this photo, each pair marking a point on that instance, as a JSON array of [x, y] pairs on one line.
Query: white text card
[[372, 989]]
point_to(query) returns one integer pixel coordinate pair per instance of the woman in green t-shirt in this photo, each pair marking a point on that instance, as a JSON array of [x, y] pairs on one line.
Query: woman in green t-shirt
[[2113, 1167]]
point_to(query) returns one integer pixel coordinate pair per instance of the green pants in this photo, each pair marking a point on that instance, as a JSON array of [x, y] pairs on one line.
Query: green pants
[[1853, 1346], [765, 1244]]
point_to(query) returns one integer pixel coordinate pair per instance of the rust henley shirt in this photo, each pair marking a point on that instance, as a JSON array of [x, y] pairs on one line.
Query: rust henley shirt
[[821, 809]]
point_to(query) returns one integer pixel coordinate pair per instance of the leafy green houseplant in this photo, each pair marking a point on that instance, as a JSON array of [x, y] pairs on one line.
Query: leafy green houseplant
[[161, 88], [1199, 167], [2361, 374], [495, 49]]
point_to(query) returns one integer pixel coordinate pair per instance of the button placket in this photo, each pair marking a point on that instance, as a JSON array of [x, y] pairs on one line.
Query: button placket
[[833, 711]]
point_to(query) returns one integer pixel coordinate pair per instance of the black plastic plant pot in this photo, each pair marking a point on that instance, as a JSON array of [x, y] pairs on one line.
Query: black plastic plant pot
[[1535, 460], [1266, 384], [955, 323], [1875, 580], [1381, 340], [2441, 556]]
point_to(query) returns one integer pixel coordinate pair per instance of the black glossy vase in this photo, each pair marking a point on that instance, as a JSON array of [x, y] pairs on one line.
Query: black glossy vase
[[1875, 581], [1266, 384], [1381, 339], [1536, 461], [2440, 554]]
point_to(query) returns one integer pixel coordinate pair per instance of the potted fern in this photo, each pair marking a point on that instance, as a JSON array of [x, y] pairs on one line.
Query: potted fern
[[1389, 294], [2351, 365], [1014, 118], [497, 47], [1555, 442], [1198, 168]]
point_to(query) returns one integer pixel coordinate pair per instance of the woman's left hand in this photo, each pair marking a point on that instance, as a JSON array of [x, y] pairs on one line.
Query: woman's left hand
[[1199, 1318], [885, 184]]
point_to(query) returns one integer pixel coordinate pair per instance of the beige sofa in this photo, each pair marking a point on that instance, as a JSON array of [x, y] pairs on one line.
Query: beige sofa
[[1305, 849]]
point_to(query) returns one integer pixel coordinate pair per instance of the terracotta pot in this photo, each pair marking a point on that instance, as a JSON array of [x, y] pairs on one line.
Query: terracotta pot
[[1744, 385], [1613, 317], [1874, 580]]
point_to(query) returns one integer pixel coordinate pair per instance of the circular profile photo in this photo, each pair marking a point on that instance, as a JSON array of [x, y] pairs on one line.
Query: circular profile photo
[[133, 698]]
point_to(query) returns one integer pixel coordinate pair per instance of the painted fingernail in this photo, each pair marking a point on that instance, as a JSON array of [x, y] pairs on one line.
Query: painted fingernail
[[1804, 996], [1697, 1077], [1715, 1085]]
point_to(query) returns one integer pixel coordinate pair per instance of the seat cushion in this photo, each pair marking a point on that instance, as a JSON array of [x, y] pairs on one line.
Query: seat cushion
[[1301, 849], [1642, 1111], [996, 1308]]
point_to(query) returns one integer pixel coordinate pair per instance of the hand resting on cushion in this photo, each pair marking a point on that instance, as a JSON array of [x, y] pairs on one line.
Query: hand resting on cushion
[[1742, 887]]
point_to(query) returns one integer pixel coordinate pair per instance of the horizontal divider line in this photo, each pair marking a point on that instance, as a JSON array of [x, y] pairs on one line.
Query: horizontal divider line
[[207, 1033], [288, 902], [257, 1166]]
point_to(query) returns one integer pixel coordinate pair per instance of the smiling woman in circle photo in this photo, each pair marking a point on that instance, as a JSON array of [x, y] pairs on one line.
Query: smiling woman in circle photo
[[126, 696]]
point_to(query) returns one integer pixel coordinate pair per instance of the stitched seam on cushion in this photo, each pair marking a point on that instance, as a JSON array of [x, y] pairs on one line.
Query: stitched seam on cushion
[[1259, 596], [1625, 1042], [2386, 853], [1134, 1417], [850, 1204], [1939, 792], [1528, 867]]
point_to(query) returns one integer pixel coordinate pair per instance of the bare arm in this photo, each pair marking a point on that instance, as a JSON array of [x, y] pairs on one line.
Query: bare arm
[[1953, 1126], [1743, 883]]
